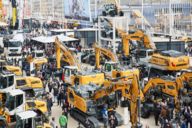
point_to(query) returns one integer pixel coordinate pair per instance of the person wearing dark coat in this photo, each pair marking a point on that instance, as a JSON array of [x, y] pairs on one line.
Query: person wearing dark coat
[[157, 111]]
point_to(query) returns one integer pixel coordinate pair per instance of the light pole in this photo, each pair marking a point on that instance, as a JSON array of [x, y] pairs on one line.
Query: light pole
[[142, 15]]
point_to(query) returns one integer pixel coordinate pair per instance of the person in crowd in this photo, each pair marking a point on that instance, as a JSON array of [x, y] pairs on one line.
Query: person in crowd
[[65, 108], [49, 103], [50, 86], [112, 121], [55, 93], [104, 113], [63, 121], [157, 111], [53, 123]]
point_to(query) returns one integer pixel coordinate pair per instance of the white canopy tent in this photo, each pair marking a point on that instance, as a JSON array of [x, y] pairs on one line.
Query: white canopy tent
[[51, 39], [3, 24]]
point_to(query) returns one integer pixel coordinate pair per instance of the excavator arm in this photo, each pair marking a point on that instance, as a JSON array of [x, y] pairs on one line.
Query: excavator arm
[[106, 52], [138, 36], [130, 89], [67, 55], [167, 87]]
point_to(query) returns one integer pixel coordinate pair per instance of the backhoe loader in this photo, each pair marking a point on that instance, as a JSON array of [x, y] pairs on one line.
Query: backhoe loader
[[88, 101]]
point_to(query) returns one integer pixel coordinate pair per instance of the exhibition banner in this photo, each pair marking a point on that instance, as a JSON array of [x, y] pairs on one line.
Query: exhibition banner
[[77, 9]]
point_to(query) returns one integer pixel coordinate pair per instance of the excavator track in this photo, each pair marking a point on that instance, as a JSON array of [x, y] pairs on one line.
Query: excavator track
[[81, 117], [94, 122]]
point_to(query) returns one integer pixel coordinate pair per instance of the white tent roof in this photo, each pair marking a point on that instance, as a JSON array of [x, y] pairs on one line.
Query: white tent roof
[[62, 30], [16, 92], [51, 39], [3, 24], [26, 114]]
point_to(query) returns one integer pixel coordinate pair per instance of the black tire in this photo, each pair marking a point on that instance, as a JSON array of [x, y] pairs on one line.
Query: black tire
[[145, 113], [111, 35], [112, 13], [121, 13], [104, 13], [118, 75], [104, 34], [76, 81]]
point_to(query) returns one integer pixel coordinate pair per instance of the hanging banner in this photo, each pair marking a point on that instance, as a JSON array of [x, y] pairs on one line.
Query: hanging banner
[[77, 9]]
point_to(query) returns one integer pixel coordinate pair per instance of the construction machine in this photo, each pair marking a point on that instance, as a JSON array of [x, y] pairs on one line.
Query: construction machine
[[112, 9], [14, 20], [112, 68], [14, 101], [30, 119], [30, 82], [88, 101], [73, 74], [165, 62], [14, 69], [132, 42], [35, 60], [156, 89]]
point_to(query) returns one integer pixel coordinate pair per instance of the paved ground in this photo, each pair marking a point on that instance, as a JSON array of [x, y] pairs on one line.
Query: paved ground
[[56, 112]]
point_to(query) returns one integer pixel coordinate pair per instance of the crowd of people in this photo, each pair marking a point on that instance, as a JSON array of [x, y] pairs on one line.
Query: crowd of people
[[169, 114]]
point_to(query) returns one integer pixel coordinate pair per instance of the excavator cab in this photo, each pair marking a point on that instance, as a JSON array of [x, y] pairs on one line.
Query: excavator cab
[[7, 81], [38, 54], [68, 72], [109, 67], [15, 102]]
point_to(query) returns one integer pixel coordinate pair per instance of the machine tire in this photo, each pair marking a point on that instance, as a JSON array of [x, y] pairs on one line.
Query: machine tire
[[104, 34], [104, 13], [145, 113], [76, 81], [112, 13], [111, 35], [121, 13], [118, 75]]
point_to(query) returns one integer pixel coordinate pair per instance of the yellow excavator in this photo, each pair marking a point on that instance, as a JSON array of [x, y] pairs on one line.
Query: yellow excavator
[[155, 90], [112, 68], [144, 41], [73, 74], [88, 101], [170, 60], [165, 63]]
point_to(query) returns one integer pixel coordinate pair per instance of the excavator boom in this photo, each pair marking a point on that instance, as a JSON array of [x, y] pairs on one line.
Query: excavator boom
[[108, 53], [130, 89], [67, 55]]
